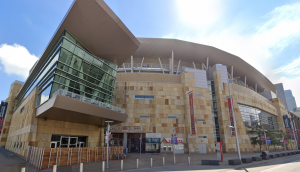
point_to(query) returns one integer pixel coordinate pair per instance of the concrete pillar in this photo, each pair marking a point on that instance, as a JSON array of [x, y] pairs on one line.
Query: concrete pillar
[[172, 63], [207, 63], [255, 87], [124, 142], [131, 64], [231, 77], [245, 81]]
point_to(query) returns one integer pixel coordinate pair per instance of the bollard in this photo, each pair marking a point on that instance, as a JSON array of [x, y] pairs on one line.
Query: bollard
[[151, 163], [137, 163], [23, 169], [54, 168], [81, 167], [121, 165], [174, 160], [163, 161], [103, 166], [189, 160]]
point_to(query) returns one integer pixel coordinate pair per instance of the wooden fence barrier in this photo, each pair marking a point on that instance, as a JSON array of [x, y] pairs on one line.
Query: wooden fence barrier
[[47, 157]]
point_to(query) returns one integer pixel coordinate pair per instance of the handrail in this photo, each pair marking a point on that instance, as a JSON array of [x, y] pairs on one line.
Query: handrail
[[87, 100]]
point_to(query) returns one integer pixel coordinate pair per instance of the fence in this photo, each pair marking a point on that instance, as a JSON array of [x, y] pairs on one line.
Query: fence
[[47, 157]]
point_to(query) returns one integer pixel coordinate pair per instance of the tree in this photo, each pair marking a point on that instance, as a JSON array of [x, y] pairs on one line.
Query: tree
[[256, 130]]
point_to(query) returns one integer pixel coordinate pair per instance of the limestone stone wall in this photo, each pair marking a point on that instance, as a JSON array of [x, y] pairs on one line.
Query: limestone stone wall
[[25, 128], [228, 140], [14, 89], [170, 99]]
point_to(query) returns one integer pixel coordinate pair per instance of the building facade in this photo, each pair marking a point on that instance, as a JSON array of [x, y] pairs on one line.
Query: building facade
[[290, 99], [95, 70]]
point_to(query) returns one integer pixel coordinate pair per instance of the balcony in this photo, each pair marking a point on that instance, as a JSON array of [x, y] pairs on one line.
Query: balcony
[[71, 107]]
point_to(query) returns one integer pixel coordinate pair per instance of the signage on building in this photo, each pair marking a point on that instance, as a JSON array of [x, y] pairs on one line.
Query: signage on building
[[231, 116], [3, 108], [287, 123], [268, 142], [126, 129], [169, 140], [192, 113], [174, 139]]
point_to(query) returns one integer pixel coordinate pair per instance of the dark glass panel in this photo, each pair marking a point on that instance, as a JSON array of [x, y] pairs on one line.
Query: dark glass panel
[[85, 67]]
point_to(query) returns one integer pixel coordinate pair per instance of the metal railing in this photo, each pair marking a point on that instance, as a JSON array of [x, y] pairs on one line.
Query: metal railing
[[155, 67], [87, 100]]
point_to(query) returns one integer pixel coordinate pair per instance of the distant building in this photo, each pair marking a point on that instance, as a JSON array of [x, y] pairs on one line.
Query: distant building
[[290, 99], [281, 94]]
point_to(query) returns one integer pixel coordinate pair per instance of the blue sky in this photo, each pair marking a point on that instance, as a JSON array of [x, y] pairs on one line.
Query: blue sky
[[265, 33]]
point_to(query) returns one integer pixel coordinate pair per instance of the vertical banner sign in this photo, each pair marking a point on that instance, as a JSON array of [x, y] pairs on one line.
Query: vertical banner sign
[[192, 113], [287, 124], [231, 117], [3, 108]]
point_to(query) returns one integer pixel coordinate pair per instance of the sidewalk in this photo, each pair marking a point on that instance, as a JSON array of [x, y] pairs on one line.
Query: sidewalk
[[15, 163]]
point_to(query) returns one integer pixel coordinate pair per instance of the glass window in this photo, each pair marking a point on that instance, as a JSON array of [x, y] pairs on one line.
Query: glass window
[[68, 45], [44, 96], [98, 63], [65, 56], [85, 67], [79, 52], [70, 37], [88, 58], [76, 62]]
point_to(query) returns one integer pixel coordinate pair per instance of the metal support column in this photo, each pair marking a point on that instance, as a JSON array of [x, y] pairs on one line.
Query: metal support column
[[131, 66], [178, 67], [141, 65], [161, 65]]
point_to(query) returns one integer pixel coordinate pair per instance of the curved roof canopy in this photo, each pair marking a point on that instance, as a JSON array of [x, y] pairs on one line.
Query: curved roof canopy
[[98, 28], [192, 52]]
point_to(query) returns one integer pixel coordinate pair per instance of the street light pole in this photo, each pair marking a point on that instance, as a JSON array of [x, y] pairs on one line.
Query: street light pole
[[107, 140], [266, 140], [284, 143], [174, 143], [232, 110]]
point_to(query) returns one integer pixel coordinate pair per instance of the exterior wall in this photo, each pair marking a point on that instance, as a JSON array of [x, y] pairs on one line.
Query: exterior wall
[[228, 141], [169, 99], [14, 89], [32, 131]]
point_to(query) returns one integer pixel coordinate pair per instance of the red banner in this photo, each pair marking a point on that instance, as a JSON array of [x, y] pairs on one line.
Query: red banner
[[231, 117], [192, 114]]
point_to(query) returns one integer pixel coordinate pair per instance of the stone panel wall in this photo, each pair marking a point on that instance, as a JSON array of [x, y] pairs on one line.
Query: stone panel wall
[[14, 89]]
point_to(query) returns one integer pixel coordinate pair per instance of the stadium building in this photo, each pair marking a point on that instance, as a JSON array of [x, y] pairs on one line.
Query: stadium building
[[94, 69]]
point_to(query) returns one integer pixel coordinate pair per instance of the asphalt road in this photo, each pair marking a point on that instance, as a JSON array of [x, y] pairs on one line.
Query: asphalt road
[[282, 164]]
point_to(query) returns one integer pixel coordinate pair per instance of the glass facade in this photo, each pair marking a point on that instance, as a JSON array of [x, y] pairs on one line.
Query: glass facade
[[71, 67], [251, 116], [214, 110]]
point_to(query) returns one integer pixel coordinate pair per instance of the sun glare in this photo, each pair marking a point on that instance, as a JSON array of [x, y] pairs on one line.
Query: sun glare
[[199, 12]]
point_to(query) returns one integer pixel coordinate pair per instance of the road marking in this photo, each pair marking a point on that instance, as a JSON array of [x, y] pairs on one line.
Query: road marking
[[279, 166]]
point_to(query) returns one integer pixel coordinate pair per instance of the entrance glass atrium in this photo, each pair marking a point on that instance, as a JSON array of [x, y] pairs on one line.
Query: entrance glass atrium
[[70, 66]]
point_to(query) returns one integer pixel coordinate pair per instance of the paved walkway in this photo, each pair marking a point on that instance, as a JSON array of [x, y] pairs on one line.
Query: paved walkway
[[15, 164]]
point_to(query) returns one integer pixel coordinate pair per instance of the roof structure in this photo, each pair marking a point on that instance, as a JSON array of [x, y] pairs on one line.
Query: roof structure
[[193, 52], [98, 28]]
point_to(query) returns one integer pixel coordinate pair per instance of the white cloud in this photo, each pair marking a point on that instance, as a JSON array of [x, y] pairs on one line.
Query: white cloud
[[290, 69], [16, 59], [282, 28]]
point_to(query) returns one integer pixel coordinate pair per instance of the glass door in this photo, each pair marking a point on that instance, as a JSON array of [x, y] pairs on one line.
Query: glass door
[[64, 140], [73, 142], [68, 141], [53, 145]]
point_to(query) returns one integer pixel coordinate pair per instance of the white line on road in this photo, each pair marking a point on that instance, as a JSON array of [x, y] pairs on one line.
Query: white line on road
[[279, 166]]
